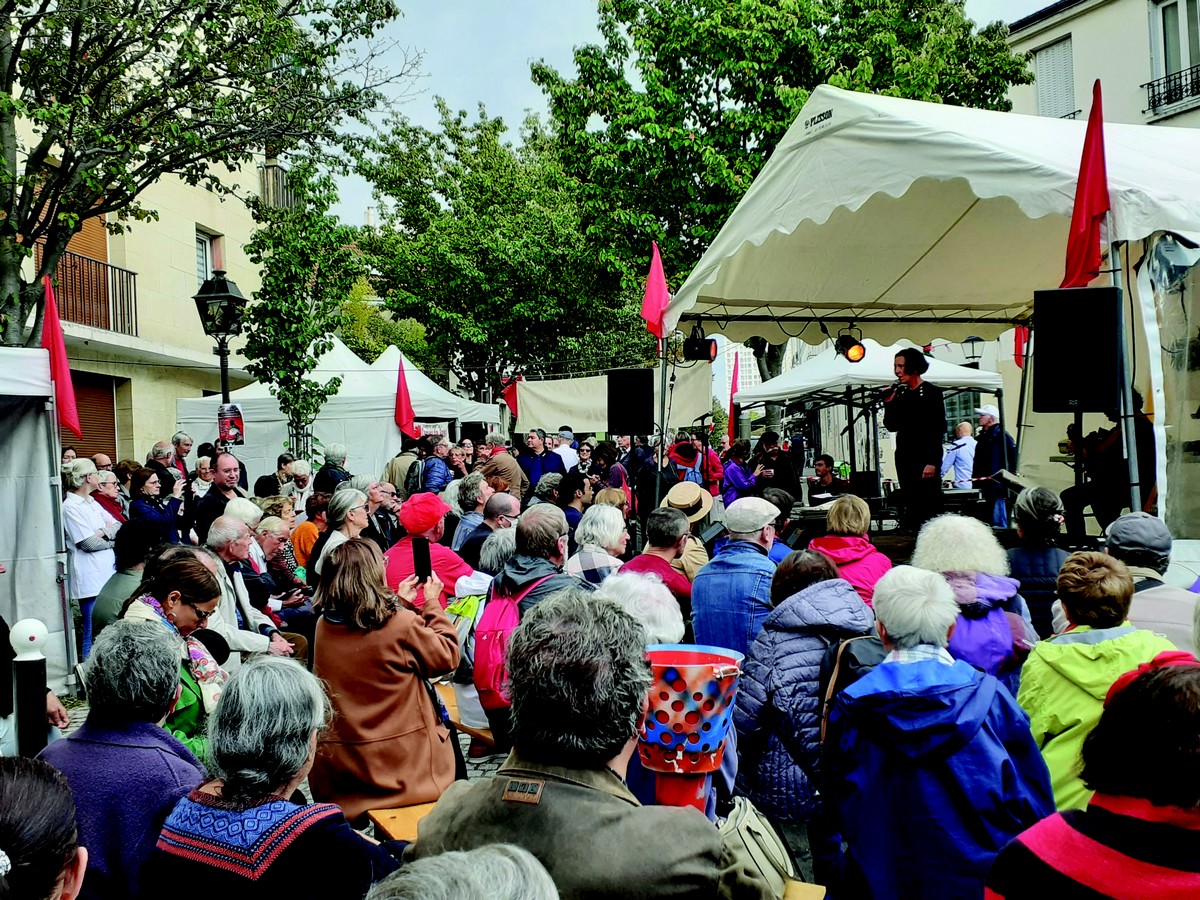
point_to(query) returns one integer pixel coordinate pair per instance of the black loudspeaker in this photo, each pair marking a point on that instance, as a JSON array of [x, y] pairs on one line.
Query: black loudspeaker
[[631, 401], [1075, 348]]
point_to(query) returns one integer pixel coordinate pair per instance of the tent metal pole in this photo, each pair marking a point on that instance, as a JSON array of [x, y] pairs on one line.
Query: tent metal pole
[[1023, 394], [1127, 413], [1004, 460], [662, 428], [851, 429]]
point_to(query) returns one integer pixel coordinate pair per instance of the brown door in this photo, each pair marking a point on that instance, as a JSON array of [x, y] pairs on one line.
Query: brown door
[[97, 416]]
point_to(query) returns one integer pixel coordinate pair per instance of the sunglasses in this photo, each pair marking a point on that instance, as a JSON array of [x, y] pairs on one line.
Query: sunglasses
[[202, 614]]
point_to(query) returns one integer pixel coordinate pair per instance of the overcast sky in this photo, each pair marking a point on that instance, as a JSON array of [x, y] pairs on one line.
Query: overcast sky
[[480, 50]]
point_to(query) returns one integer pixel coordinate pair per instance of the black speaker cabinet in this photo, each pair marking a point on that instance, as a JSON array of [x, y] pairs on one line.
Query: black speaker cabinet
[[1075, 347], [631, 401]]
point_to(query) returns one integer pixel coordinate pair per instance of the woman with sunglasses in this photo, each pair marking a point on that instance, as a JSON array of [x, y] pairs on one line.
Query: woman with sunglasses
[[179, 591], [144, 488]]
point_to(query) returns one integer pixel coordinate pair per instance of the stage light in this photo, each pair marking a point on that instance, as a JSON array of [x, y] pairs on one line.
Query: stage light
[[698, 347], [850, 346]]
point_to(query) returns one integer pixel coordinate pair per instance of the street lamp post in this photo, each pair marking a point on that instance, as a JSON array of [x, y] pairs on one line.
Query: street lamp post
[[974, 350], [221, 306]]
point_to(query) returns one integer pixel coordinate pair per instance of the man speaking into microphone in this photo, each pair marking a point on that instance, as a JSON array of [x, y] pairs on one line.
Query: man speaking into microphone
[[915, 411]]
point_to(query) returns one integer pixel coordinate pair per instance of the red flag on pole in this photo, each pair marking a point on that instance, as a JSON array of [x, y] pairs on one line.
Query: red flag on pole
[[405, 417], [60, 367], [509, 393], [654, 303], [733, 389], [1020, 341], [1091, 202]]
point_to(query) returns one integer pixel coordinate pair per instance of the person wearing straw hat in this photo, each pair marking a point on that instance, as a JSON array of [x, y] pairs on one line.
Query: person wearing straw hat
[[697, 504]]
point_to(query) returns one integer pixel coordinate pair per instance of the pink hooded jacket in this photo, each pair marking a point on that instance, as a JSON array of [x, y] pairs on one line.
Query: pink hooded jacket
[[857, 561]]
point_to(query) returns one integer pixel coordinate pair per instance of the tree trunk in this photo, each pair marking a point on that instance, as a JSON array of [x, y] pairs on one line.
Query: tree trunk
[[770, 364]]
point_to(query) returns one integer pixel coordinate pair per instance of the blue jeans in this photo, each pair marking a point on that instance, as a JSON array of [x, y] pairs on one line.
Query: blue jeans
[[85, 608], [1000, 513]]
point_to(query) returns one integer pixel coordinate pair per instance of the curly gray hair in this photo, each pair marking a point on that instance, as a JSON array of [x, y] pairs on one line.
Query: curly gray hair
[[578, 679], [495, 871], [953, 543], [132, 673]]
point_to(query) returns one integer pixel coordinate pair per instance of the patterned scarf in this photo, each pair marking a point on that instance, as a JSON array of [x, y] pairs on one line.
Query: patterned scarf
[[209, 676]]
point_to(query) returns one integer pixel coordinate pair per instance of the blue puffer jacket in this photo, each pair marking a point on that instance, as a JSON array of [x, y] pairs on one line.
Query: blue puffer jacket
[[777, 710]]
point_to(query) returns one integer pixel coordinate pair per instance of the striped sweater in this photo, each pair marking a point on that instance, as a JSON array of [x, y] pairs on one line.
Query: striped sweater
[[1122, 847]]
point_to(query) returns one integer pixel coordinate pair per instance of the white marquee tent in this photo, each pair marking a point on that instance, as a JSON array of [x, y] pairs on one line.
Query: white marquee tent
[[923, 221], [361, 415]]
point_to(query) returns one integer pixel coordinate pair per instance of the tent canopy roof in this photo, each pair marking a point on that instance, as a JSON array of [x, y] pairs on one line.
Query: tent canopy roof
[[825, 378], [919, 220]]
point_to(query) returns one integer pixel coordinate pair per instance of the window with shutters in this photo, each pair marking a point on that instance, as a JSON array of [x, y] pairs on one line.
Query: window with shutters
[[1054, 73], [1175, 53], [94, 399]]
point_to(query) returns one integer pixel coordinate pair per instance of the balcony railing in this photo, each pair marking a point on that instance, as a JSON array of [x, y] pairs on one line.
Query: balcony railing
[[1172, 89], [274, 189], [90, 292]]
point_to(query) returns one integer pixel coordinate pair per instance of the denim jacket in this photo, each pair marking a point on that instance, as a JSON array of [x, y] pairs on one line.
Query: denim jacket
[[731, 596]]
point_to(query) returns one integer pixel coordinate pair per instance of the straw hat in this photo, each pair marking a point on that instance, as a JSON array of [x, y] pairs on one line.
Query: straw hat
[[690, 499]]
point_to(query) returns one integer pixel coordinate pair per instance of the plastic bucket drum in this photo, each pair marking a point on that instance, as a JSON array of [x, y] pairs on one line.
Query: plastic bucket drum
[[691, 707]]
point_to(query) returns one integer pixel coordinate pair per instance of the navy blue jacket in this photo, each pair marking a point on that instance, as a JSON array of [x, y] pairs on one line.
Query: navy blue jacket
[[777, 710], [933, 769], [1036, 568], [161, 514], [536, 465], [989, 459]]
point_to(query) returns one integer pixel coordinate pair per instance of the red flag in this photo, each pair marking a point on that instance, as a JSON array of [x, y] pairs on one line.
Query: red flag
[[60, 368], [654, 303], [1091, 203], [733, 389], [509, 393], [1020, 341], [405, 417]]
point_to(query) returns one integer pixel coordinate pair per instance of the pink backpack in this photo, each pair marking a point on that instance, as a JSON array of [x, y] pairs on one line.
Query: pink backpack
[[500, 617]]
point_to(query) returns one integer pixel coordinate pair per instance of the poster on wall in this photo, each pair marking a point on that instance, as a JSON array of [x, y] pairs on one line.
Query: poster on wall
[[231, 427]]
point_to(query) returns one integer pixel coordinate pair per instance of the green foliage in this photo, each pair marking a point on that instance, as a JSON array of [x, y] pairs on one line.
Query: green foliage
[[720, 420], [484, 244], [368, 332], [309, 264], [99, 100], [668, 121]]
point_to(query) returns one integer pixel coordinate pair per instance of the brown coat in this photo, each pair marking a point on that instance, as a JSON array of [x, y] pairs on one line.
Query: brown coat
[[385, 746], [506, 466]]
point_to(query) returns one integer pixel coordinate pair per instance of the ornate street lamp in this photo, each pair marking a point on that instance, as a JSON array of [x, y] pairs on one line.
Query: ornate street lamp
[[973, 347], [221, 306]]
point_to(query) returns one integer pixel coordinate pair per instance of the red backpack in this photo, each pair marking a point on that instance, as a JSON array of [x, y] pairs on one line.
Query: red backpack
[[500, 617]]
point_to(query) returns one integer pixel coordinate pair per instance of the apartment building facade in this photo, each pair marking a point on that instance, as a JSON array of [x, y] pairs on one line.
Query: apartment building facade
[[133, 334]]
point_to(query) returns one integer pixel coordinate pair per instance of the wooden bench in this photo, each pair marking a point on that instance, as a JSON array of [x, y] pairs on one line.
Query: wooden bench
[[446, 692], [399, 824]]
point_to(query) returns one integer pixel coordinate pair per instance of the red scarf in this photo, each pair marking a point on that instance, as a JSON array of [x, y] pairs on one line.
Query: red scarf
[[111, 505]]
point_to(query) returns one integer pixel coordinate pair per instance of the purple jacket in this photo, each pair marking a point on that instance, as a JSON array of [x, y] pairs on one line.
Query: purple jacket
[[126, 780], [992, 633], [738, 481]]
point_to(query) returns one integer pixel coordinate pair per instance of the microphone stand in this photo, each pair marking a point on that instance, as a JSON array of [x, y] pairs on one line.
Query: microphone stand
[[704, 445]]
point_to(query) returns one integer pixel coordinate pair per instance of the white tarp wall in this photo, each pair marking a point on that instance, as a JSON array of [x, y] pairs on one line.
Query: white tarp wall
[[582, 403], [361, 415], [31, 537]]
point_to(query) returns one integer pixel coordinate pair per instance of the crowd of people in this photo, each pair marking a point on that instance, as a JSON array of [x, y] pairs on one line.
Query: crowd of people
[[977, 721]]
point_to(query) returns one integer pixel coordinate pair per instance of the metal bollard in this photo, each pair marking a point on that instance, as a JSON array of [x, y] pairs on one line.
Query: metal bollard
[[29, 686]]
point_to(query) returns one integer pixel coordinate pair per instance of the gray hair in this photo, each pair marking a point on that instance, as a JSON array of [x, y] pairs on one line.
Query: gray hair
[[244, 510], [107, 475], [546, 487], [915, 606], [301, 467], [358, 482], [132, 672], [449, 496], [223, 532], [469, 491], [335, 453], [340, 505], [601, 526], [77, 471], [953, 543], [179, 437], [498, 549], [203, 459], [490, 872], [496, 439], [539, 530], [260, 733], [161, 450], [272, 525], [577, 678], [644, 596]]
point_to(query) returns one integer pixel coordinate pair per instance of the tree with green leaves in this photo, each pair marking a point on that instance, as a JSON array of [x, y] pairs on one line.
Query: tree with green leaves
[[309, 264], [667, 122], [368, 331], [100, 100], [483, 242]]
